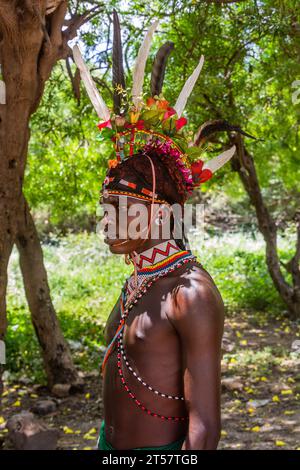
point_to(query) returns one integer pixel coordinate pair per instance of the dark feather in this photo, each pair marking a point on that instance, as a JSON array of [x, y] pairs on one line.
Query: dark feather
[[159, 67], [118, 77], [218, 125]]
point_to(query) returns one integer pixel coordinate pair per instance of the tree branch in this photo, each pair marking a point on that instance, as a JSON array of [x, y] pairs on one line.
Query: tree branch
[[75, 80], [50, 50], [78, 20]]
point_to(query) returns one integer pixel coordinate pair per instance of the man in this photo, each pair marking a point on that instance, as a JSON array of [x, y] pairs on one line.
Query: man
[[161, 370], [172, 340]]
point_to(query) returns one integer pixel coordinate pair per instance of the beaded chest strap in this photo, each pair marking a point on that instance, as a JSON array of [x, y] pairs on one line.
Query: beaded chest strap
[[152, 273]]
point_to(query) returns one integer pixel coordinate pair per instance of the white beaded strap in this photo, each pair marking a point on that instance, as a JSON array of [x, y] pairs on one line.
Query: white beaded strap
[[157, 392]]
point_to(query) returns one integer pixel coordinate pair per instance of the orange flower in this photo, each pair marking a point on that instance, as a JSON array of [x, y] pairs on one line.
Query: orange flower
[[162, 104], [112, 163], [150, 101]]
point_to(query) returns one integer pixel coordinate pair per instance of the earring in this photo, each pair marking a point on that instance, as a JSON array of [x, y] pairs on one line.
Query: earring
[[127, 258], [158, 219]]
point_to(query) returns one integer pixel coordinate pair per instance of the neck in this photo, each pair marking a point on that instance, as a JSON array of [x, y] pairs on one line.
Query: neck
[[153, 252], [149, 243]]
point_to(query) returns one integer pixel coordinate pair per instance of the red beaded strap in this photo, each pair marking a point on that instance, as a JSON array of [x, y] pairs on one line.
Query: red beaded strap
[[138, 403]]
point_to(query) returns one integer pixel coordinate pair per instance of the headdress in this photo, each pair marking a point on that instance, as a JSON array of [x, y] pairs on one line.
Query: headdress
[[144, 125]]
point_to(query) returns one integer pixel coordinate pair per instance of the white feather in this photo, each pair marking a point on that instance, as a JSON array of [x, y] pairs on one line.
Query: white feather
[[217, 162], [2, 92], [95, 97], [188, 88], [139, 69]]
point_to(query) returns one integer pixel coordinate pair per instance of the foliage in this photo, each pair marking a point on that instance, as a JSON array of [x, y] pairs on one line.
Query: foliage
[[251, 63], [85, 282]]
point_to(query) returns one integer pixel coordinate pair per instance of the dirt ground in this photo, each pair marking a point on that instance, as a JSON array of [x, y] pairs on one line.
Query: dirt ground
[[260, 393]]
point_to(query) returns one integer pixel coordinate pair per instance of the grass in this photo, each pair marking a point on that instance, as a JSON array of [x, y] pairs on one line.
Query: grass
[[85, 281]]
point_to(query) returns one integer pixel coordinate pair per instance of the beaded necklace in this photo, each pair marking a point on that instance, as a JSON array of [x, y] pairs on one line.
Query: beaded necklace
[[149, 272]]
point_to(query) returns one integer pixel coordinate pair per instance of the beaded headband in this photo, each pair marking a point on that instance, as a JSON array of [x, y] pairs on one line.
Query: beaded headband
[[138, 122]]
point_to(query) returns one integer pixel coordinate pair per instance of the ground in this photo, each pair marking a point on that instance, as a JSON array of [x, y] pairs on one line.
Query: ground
[[260, 392]]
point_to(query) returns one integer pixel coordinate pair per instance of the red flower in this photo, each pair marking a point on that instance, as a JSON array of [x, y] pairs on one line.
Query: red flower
[[170, 112], [104, 124], [199, 175], [138, 125], [179, 123]]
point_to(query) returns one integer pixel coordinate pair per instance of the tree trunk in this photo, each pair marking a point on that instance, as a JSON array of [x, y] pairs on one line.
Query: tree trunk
[[5, 251], [290, 294], [56, 354], [28, 53]]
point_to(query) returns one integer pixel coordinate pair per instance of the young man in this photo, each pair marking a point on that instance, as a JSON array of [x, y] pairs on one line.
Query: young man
[[167, 395], [161, 370]]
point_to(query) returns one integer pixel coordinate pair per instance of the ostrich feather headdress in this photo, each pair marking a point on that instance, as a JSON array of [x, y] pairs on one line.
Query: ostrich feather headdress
[[139, 121]]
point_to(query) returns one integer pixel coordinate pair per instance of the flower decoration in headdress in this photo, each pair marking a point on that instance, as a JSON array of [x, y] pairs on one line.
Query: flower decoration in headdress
[[138, 123]]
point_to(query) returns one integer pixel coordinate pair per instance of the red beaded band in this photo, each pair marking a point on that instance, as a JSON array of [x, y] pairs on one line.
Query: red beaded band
[[138, 403]]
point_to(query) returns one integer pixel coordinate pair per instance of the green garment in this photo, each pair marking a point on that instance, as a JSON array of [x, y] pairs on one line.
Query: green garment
[[102, 443]]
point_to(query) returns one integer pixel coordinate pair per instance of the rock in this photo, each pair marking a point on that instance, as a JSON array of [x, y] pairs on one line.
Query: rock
[[296, 345], [232, 383], [257, 403], [64, 390], [278, 387], [77, 386], [25, 381], [44, 407], [227, 345], [27, 433], [40, 389], [6, 376], [61, 390], [92, 373], [270, 428]]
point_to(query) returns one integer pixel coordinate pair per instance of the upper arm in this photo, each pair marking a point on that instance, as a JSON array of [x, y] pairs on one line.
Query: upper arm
[[198, 318]]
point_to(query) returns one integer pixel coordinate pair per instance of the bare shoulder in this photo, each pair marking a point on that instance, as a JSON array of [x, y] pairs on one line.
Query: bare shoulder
[[195, 291]]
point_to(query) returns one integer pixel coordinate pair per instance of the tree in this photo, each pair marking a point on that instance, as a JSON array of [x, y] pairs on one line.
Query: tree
[[253, 49], [249, 46], [34, 35]]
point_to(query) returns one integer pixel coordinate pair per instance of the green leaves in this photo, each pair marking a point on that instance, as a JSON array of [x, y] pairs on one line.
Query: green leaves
[[251, 60]]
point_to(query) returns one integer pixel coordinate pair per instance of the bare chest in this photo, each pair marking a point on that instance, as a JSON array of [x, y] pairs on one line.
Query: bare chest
[[148, 336]]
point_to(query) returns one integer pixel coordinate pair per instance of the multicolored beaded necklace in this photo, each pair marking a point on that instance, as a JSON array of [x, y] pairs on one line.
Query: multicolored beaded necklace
[[152, 264]]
